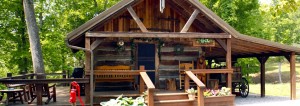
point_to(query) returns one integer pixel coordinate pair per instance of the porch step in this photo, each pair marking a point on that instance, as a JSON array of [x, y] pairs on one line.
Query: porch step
[[115, 96], [183, 102], [106, 96], [172, 99], [170, 96]]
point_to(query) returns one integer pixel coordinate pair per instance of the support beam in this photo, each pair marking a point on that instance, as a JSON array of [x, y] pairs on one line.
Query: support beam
[[190, 21], [137, 19], [87, 67], [186, 82], [228, 62], [142, 83], [262, 61], [95, 44], [288, 57], [222, 44], [157, 35], [293, 75]]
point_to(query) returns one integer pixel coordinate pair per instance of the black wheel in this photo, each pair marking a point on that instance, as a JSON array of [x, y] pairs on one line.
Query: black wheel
[[244, 88]]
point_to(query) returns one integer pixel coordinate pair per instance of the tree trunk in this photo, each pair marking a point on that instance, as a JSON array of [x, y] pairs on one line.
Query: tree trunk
[[33, 31], [279, 73]]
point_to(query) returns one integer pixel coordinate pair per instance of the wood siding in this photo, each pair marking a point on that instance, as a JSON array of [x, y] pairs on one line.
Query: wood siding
[[151, 17]]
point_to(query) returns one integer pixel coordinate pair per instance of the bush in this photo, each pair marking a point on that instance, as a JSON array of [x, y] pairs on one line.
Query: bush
[[125, 101]]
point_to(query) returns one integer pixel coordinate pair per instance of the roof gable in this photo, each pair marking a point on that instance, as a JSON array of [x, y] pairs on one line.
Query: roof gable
[[122, 5], [77, 35], [98, 19]]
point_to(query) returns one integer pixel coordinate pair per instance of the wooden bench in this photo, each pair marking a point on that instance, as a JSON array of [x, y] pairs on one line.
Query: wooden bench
[[12, 95], [113, 77]]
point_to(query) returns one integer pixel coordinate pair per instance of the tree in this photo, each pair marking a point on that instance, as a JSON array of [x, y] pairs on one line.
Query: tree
[[244, 16], [13, 39], [35, 46]]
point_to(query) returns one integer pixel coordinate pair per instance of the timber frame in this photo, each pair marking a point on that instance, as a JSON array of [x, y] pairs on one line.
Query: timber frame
[[184, 21]]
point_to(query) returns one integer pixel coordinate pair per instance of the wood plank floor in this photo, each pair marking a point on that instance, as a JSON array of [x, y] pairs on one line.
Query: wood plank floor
[[63, 96]]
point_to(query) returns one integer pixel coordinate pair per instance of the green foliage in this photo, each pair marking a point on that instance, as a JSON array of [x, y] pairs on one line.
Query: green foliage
[[191, 91], [55, 18], [248, 65], [125, 101], [278, 22], [220, 92], [204, 41]]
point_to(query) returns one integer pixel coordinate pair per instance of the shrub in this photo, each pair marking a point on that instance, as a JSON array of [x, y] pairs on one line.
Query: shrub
[[125, 101]]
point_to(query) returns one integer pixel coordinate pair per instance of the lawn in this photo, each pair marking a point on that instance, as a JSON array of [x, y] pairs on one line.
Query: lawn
[[273, 87]]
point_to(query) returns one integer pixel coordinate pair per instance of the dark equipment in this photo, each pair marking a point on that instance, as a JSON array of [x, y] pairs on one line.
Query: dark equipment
[[240, 85], [78, 73]]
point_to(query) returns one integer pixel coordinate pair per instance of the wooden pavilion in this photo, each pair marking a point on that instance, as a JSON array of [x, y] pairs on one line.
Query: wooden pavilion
[[158, 36]]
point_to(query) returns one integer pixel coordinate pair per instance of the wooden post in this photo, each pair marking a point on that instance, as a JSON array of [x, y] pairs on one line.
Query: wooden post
[[39, 89], [8, 75], [228, 63], [150, 97], [156, 67], [262, 61], [208, 75], [262, 79], [64, 76], [293, 75], [200, 96], [186, 82], [142, 83], [87, 68], [39, 92]]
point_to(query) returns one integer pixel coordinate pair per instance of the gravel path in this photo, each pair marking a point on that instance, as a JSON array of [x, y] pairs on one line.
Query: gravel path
[[256, 100]]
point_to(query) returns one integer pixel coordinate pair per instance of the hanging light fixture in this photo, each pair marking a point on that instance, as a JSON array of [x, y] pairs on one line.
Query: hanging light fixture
[[162, 5]]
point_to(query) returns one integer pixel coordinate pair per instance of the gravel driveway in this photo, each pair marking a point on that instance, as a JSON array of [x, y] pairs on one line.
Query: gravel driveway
[[256, 100]]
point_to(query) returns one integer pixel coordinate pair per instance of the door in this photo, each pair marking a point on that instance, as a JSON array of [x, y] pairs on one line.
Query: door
[[146, 57]]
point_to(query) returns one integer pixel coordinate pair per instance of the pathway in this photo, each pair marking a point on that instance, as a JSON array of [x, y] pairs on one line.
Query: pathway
[[256, 100]]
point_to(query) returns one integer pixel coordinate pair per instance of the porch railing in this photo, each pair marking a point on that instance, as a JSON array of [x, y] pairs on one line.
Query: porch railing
[[30, 79], [200, 86], [145, 78]]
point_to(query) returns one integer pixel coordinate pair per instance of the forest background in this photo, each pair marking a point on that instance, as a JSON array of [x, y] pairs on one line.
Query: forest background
[[274, 20]]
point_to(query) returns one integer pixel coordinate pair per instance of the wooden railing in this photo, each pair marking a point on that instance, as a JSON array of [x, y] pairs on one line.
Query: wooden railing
[[144, 79], [210, 71], [32, 75], [23, 76], [29, 79], [200, 86]]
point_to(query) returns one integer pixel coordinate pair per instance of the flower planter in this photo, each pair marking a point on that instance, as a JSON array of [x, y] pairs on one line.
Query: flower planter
[[219, 100], [207, 44], [192, 96]]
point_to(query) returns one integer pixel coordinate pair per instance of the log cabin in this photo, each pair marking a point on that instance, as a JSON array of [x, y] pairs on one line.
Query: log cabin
[[144, 42]]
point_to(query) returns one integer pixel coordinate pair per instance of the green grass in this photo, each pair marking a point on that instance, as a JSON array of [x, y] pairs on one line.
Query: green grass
[[273, 87], [272, 73]]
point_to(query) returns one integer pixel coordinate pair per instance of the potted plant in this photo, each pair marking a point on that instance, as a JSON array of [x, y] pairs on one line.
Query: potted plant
[[191, 93], [217, 97], [124, 101], [145, 95]]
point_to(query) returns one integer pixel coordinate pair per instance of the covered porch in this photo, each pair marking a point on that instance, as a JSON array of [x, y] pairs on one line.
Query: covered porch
[[135, 33]]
